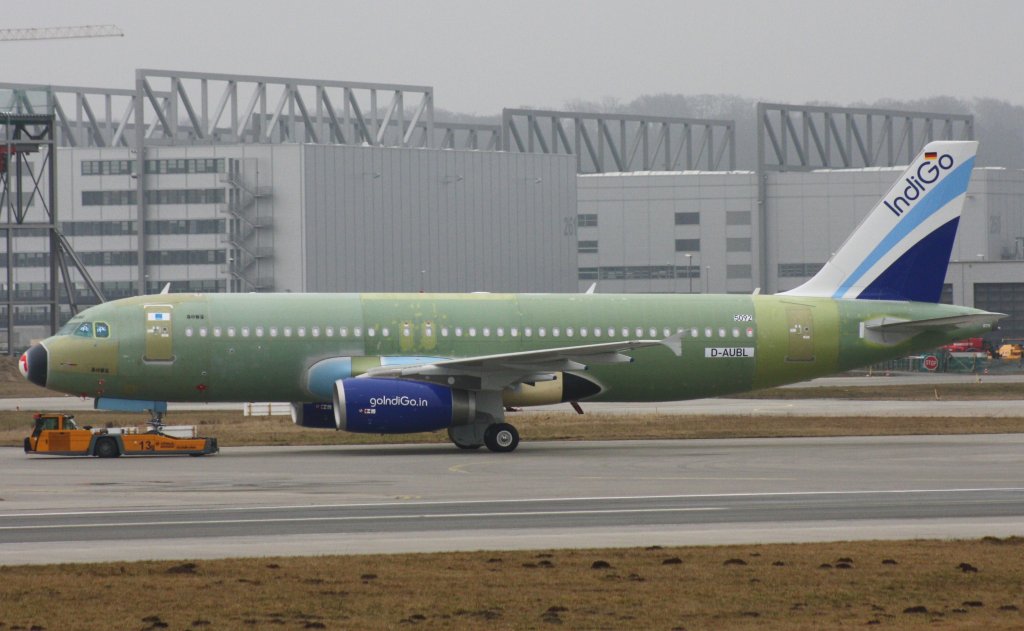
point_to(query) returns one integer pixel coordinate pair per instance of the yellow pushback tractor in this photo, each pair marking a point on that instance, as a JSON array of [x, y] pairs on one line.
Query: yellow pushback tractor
[[60, 435]]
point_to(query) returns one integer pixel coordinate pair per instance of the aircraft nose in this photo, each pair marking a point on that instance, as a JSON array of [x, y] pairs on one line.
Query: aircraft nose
[[33, 364]]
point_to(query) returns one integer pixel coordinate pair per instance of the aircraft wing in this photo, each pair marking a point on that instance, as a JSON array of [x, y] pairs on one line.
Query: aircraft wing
[[495, 372], [932, 324]]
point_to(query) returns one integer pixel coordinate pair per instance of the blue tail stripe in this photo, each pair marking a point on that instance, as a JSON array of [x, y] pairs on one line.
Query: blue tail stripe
[[917, 275], [948, 189]]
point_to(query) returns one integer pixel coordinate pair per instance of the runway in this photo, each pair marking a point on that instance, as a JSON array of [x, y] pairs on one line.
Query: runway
[[287, 501]]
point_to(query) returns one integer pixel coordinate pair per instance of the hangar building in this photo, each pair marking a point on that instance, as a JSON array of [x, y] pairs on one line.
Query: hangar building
[[236, 183]]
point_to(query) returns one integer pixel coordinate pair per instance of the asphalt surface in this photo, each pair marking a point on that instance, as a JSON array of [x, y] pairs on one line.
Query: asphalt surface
[[320, 500]]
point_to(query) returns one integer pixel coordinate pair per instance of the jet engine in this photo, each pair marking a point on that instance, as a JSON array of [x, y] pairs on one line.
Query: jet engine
[[319, 415], [398, 406]]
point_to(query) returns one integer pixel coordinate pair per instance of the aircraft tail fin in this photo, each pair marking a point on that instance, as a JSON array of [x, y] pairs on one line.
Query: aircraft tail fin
[[901, 249]]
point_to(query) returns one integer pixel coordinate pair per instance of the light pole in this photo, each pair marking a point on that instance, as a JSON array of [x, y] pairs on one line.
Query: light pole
[[689, 270], [707, 279]]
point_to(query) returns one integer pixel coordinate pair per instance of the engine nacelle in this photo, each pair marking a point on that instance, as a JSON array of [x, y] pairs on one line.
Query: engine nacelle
[[319, 415], [397, 406]]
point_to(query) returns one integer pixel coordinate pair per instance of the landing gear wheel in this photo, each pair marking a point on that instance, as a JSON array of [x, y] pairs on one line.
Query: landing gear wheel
[[501, 438], [107, 448]]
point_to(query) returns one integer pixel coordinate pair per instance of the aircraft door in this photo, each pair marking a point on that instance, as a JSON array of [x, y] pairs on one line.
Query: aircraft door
[[159, 333], [800, 321]]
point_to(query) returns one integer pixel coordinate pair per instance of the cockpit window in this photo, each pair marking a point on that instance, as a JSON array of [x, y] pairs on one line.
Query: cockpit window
[[84, 329], [68, 328], [102, 329]]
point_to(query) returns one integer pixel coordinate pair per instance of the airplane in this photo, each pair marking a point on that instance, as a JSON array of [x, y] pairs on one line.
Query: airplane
[[420, 362]]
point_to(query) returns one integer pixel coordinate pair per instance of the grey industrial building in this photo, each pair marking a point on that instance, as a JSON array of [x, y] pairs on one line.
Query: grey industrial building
[[236, 183]]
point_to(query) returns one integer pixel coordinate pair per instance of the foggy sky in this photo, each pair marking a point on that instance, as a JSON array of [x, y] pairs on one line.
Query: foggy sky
[[481, 56]]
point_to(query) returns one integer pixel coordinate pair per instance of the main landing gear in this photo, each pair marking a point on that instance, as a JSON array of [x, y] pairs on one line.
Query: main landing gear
[[498, 437]]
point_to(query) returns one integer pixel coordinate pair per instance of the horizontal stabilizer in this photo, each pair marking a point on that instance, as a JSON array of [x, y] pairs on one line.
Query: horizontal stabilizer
[[936, 324]]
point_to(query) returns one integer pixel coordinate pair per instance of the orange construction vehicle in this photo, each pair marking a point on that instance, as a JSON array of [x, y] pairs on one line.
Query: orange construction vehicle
[[60, 435]]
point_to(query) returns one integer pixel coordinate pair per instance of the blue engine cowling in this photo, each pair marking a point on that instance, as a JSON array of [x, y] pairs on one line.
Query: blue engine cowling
[[397, 406], [319, 415]]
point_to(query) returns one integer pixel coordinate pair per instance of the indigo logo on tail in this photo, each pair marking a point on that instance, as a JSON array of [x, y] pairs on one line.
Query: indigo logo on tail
[[917, 185]]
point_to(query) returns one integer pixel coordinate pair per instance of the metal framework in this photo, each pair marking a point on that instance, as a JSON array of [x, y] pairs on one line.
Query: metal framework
[[801, 138], [621, 142], [28, 207], [804, 138]]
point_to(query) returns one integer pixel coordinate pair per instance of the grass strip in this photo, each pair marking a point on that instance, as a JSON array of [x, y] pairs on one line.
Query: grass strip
[[908, 585]]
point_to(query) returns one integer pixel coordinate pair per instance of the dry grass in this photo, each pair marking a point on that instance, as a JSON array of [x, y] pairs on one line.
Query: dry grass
[[232, 429], [975, 391], [744, 587]]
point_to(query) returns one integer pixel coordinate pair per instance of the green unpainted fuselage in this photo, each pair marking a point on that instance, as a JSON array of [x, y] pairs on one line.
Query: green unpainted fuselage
[[259, 347]]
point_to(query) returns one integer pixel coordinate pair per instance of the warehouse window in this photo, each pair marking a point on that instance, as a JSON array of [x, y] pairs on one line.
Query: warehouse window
[[737, 244], [687, 219], [586, 220], [687, 245], [587, 247], [798, 270], [737, 218]]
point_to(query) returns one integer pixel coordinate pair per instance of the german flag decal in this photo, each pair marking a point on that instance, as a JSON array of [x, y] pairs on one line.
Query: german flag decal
[[930, 155]]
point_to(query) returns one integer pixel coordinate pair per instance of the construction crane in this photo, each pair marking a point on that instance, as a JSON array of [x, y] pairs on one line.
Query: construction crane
[[59, 32]]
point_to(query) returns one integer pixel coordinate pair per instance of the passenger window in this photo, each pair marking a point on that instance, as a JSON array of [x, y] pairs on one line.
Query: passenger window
[[750, 332], [273, 331], [653, 331], [302, 331], [329, 331], [188, 332], [514, 331], [527, 331], [555, 331], [666, 332], [541, 331], [259, 331], [428, 330], [583, 332], [444, 331], [231, 331], [458, 331], [472, 331], [343, 331], [357, 331], [245, 331], [707, 332], [102, 330], [372, 332], [315, 331], [735, 332], [84, 329], [287, 331], [639, 332], [202, 331], [216, 331], [385, 332], [721, 332], [487, 332], [501, 331]]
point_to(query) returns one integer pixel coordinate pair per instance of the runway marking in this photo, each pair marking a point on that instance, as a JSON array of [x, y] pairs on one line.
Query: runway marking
[[458, 468], [212, 509], [284, 520]]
